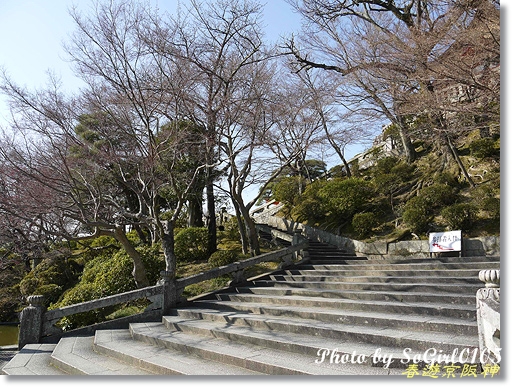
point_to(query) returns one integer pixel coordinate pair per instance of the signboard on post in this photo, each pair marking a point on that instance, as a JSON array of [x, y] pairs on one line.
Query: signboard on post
[[447, 241]]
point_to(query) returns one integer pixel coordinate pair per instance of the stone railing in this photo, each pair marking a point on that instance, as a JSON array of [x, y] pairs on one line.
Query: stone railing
[[38, 324], [484, 246], [488, 317]]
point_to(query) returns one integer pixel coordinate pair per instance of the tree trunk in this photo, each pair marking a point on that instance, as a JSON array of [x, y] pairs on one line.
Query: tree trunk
[[455, 155], [211, 222], [252, 233], [241, 228], [139, 271], [195, 212], [335, 146], [168, 248], [410, 152], [142, 236]]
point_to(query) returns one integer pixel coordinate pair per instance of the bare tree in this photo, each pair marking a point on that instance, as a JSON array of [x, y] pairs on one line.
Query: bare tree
[[395, 50], [128, 165], [269, 130], [215, 42], [343, 120]]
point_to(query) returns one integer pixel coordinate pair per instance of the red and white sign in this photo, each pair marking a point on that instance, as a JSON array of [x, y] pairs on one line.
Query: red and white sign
[[445, 241]]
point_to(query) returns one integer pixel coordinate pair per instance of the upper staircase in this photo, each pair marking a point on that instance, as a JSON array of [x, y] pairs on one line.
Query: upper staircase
[[337, 314]]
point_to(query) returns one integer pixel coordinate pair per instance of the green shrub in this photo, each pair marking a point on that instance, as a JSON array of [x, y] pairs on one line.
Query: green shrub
[[485, 197], [231, 229], [81, 293], [51, 292], [345, 197], [483, 148], [459, 216], [50, 277], [309, 206], [308, 210], [438, 195], [114, 275], [445, 178], [288, 189], [29, 284], [492, 206], [363, 223], [191, 244], [101, 246], [106, 276], [222, 258], [418, 214], [10, 302]]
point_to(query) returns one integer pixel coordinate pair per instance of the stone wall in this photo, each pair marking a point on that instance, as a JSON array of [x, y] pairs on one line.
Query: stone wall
[[482, 246]]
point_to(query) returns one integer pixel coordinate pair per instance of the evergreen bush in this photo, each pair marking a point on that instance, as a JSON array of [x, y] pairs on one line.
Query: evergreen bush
[[364, 222], [345, 197], [191, 244], [438, 195], [459, 216], [222, 258], [492, 206], [483, 148], [288, 189], [309, 206], [308, 210], [418, 214], [105, 276]]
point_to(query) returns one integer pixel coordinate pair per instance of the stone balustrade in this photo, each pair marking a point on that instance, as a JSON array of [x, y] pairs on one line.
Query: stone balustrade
[[38, 324], [483, 246]]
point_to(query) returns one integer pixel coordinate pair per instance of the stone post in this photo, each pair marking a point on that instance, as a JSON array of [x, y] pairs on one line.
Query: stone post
[[238, 277], [488, 317], [170, 293], [299, 238], [31, 321]]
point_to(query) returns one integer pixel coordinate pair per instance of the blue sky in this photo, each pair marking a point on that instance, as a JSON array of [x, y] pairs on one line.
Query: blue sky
[[32, 32]]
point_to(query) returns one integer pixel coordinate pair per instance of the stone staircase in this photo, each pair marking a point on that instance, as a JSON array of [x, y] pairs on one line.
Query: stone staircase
[[337, 314]]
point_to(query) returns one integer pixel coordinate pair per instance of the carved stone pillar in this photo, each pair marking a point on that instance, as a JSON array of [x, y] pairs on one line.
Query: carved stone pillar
[[31, 321], [170, 292], [488, 317]]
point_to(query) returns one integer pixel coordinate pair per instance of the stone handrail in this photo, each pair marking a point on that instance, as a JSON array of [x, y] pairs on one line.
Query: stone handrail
[[483, 246], [237, 267], [36, 322], [52, 316]]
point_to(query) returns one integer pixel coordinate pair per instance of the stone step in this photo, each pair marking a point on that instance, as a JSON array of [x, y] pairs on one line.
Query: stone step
[[331, 256], [250, 302], [120, 344], [329, 250], [353, 272], [299, 321], [469, 289], [403, 260], [405, 266], [32, 359], [373, 279], [367, 295], [76, 356], [326, 323], [250, 356], [308, 344], [335, 260]]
